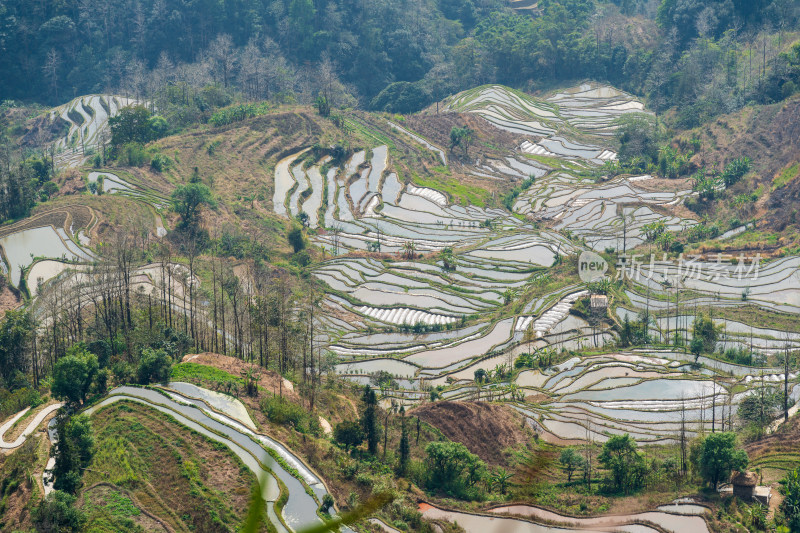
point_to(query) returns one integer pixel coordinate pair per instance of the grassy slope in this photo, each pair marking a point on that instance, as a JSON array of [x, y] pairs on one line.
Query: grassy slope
[[778, 453], [176, 474], [350, 478], [19, 493], [767, 134]]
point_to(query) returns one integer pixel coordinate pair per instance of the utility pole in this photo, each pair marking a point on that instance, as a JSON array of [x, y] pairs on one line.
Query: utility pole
[[786, 383], [624, 232]]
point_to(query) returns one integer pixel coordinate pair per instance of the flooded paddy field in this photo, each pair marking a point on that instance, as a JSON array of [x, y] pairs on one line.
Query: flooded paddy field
[[433, 327]]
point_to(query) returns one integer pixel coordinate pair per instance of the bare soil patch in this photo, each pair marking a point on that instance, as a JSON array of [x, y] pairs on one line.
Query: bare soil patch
[[8, 300], [486, 429]]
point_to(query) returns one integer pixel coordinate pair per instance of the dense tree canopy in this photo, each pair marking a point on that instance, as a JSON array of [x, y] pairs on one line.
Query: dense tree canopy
[[349, 434], [451, 466], [73, 375], [154, 367], [625, 464], [720, 456], [15, 332], [135, 124], [394, 56], [187, 200], [72, 451]]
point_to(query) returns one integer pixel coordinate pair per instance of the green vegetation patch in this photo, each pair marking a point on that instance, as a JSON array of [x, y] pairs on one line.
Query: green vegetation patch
[[786, 175], [192, 372], [177, 474], [121, 505], [457, 191]]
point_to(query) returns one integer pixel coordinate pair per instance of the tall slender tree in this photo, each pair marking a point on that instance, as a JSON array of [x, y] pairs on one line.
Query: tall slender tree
[[369, 421]]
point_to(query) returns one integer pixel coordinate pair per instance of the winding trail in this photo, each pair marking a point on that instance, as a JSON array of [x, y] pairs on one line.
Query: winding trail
[[40, 416]]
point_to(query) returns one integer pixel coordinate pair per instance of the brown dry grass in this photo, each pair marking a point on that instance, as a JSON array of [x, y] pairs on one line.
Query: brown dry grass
[[769, 135], [25, 465], [268, 379], [58, 215], [8, 300], [237, 162], [486, 429]]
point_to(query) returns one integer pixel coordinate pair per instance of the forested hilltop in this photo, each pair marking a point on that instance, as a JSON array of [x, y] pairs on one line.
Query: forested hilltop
[[711, 56]]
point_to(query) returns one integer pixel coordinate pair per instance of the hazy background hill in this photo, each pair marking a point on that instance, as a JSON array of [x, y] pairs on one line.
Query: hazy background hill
[[711, 56]]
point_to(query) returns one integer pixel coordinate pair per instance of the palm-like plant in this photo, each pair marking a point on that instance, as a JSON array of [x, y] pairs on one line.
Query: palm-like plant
[[409, 249]]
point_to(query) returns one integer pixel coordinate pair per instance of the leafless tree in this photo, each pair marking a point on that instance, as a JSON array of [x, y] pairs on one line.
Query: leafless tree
[[222, 54], [50, 68]]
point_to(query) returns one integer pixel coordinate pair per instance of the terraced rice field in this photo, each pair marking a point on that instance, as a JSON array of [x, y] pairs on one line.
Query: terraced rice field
[[679, 517], [114, 184], [610, 215], [651, 397], [369, 208], [568, 130], [50, 243], [727, 285], [429, 326], [20, 249], [87, 121], [226, 421]]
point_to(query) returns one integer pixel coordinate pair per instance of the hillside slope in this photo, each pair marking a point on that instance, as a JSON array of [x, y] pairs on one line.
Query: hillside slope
[[488, 430], [770, 136]]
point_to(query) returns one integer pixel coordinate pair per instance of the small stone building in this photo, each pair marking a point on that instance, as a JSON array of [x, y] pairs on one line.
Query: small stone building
[[744, 485], [598, 302]]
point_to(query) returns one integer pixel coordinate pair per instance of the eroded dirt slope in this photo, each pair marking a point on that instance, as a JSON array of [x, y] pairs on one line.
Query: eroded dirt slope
[[487, 430], [770, 136]]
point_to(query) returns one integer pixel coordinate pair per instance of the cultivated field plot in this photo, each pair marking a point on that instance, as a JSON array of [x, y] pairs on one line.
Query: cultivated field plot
[[587, 109], [673, 293], [649, 396], [604, 214], [430, 324], [87, 120], [566, 132], [226, 421], [680, 516], [111, 183], [362, 205], [27, 246], [433, 317]]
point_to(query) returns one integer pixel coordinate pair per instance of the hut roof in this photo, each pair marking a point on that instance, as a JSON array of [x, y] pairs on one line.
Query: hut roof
[[598, 300], [744, 479]]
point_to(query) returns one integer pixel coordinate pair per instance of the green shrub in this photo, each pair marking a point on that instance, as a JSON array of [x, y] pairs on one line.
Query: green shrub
[[123, 372], [237, 113], [281, 411], [452, 468], [212, 148], [132, 154], [18, 400], [58, 513], [160, 163], [735, 170], [154, 367]]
